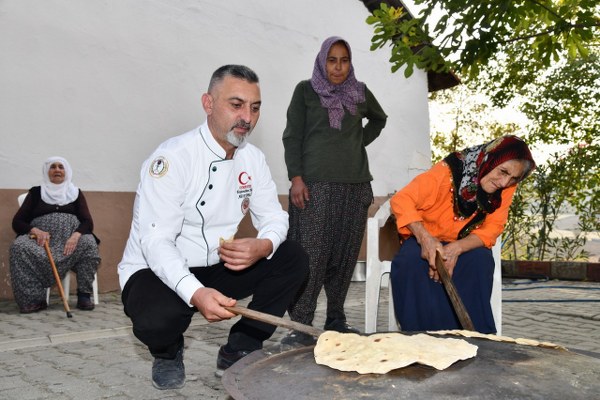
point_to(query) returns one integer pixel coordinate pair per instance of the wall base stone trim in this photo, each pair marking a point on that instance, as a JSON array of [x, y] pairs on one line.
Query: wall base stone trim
[[565, 270]]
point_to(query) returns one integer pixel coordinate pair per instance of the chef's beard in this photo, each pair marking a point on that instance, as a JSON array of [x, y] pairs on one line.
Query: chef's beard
[[237, 140]]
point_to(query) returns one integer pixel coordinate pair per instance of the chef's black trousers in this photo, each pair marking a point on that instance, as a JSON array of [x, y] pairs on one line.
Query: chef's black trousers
[[160, 316]]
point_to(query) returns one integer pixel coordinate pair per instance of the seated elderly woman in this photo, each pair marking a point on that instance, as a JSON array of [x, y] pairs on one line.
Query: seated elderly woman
[[55, 211], [459, 206]]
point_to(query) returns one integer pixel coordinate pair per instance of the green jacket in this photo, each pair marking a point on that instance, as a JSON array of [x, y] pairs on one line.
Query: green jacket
[[320, 153]]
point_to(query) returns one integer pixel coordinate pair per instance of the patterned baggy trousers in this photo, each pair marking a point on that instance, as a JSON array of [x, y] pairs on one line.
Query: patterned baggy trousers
[[330, 229]]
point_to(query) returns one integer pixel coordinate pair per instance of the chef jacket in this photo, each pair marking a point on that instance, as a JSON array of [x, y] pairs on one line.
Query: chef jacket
[[190, 196]]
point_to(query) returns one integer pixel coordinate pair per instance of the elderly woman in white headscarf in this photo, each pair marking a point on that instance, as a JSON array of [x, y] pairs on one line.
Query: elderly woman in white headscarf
[[56, 212]]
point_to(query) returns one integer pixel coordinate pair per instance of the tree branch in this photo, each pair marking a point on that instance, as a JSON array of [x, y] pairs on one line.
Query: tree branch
[[546, 32], [551, 11]]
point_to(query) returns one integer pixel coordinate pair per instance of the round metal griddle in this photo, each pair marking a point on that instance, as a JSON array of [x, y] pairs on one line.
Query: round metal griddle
[[499, 371]]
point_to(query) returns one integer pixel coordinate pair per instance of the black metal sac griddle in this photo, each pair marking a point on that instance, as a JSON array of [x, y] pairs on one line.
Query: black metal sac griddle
[[499, 371]]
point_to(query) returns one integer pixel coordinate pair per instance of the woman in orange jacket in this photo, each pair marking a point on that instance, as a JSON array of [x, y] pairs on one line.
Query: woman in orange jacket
[[459, 206]]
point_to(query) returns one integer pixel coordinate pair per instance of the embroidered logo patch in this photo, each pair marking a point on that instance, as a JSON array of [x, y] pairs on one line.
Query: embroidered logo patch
[[245, 205], [245, 187], [244, 178], [159, 167]]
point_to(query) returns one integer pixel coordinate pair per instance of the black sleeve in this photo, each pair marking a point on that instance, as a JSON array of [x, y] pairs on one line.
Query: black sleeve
[[22, 219]]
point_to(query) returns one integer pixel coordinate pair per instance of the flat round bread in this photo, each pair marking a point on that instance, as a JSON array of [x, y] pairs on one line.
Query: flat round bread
[[528, 342], [384, 352], [489, 336], [473, 334], [221, 240]]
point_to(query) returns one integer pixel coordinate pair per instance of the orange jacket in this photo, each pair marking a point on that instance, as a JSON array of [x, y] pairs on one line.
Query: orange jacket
[[428, 198]]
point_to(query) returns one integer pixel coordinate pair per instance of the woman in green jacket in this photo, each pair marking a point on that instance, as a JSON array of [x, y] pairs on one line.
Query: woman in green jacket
[[330, 192]]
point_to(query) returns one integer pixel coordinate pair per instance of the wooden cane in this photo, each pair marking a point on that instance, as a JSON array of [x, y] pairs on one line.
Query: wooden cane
[[56, 277], [58, 282]]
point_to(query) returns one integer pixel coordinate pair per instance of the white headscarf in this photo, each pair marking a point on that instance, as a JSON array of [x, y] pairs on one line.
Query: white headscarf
[[60, 194]]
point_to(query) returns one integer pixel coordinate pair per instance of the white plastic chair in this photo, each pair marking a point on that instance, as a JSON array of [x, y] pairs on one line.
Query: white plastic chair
[[377, 269], [66, 282], [496, 299]]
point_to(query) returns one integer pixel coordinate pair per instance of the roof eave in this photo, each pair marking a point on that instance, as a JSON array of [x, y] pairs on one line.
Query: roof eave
[[435, 80]]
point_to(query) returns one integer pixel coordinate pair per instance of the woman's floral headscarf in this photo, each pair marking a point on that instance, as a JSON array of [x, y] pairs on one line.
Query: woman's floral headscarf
[[470, 165]]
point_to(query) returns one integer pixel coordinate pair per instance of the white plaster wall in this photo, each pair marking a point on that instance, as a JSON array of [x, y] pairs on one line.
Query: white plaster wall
[[103, 82]]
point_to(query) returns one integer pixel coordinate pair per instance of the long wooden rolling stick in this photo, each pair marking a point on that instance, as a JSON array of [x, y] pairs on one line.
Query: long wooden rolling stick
[[273, 320]]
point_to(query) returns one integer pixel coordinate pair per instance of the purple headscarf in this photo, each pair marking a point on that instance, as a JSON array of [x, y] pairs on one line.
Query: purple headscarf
[[335, 97]]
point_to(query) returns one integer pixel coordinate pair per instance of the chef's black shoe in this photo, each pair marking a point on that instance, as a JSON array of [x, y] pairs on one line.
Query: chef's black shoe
[[226, 359], [169, 374]]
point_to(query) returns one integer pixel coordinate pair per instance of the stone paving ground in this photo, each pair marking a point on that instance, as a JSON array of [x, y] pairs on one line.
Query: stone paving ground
[[94, 355]]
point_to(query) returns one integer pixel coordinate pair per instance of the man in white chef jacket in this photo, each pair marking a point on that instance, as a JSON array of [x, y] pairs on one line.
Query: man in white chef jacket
[[194, 190]]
